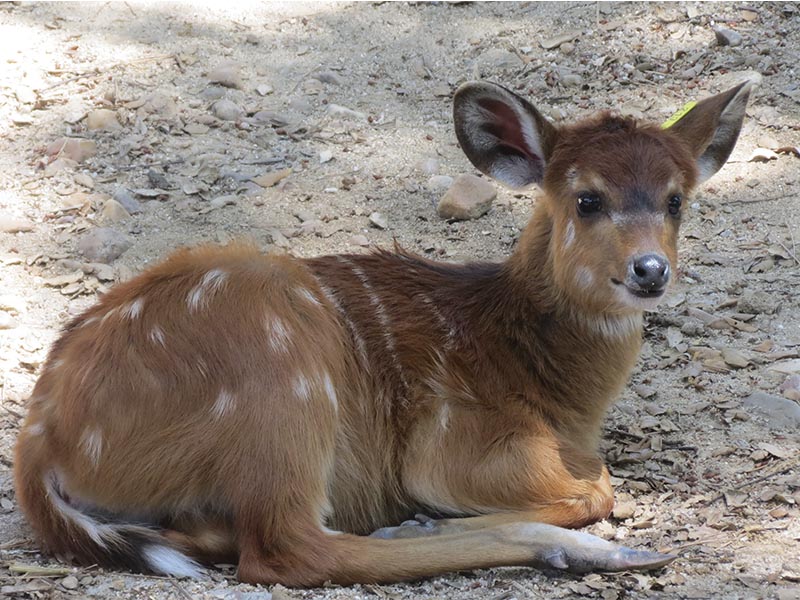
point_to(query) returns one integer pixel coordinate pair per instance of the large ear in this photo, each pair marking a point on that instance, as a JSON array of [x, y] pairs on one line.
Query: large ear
[[502, 134], [712, 127]]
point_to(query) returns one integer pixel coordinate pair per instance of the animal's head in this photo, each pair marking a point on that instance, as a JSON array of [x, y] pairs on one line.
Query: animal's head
[[615, 190]]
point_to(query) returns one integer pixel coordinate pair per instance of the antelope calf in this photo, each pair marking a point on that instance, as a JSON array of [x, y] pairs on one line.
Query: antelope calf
[[228, 406]]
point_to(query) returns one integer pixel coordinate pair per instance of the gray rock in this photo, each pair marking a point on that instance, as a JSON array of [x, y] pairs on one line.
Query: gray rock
[[104, 245], [127, 200], [227, 111], [727, 37], [469, 197], [758, 302], [778, 412]]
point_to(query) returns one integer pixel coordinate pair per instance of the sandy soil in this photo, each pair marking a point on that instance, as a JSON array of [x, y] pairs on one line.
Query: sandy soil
[[698, 469]]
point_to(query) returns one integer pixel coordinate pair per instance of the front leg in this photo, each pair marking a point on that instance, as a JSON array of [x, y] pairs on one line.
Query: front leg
[[469, 470], [550, 546]]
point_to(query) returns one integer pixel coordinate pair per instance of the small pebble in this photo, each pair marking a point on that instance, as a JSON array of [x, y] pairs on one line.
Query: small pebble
[[227, 110], [70, 582], [379, 220], [727, 37], [102, 119], [227, 74]]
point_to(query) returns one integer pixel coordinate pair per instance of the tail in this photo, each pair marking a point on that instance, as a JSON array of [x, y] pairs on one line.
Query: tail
[[70, 530]]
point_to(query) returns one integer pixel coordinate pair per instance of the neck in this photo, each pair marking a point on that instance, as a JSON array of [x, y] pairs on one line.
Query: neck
[[578, 360]]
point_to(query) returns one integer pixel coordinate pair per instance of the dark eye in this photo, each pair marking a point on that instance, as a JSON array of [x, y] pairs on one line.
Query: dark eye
[[589, 204], [674, 205]]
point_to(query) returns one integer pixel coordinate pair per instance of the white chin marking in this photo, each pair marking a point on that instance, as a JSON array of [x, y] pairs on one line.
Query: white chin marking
[[168, 561], [625, 297]]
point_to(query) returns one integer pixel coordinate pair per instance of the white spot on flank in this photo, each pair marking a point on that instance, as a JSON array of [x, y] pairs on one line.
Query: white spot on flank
[[584, 278], [57, 363], [133, 309], [157, 336], [278, 334], [327, 531], [92, 442], [169, 561], [444, 415], [330, 390], [211, 282], [302, 388], [35, 429], [307, 296], [569, 234], [225, 403]]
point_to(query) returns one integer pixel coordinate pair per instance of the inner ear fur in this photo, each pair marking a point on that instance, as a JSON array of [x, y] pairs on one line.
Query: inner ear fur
[[502, 134], [712, 127]]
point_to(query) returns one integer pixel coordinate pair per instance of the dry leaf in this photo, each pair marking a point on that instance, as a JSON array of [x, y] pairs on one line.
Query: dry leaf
[[762, 155], [272, 178]]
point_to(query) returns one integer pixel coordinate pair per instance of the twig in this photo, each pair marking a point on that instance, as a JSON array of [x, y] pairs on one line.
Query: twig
[[181, 592], [778, 469], [37, 571], [757, 200], [789, 252], [100, 70]]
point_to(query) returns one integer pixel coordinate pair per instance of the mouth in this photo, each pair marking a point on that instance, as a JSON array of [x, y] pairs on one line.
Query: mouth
[[640, 297]]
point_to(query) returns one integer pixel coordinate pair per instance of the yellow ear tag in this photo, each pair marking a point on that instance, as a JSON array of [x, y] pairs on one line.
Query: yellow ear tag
[[678, 115]]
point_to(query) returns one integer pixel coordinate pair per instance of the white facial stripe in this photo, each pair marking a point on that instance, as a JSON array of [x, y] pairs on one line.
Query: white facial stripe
[[569, 234], [584, 278]]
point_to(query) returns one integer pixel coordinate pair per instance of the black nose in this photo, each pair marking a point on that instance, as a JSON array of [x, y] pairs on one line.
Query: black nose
[[649, 271]]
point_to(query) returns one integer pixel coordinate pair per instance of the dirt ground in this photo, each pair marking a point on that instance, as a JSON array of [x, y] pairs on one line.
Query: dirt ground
[[355, 100]]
